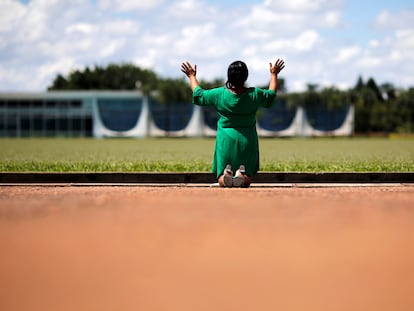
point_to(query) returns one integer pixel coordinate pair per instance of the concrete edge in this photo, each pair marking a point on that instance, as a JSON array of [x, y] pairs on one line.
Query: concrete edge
[[213, 186], [203, 178]]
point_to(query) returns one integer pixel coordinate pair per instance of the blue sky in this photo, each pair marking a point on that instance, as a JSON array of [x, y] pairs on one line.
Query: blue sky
[[325, 42]]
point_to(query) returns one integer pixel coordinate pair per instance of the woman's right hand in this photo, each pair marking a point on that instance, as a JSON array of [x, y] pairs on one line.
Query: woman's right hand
[[188, 69], [191, 73]]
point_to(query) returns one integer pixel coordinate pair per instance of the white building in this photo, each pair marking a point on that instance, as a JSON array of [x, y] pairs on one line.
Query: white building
[[130, 114]]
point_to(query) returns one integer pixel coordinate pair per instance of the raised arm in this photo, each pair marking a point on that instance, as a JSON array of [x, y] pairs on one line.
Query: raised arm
[[274, 71], [191, 73]]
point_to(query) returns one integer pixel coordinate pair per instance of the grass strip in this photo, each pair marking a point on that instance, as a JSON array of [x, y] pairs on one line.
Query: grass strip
[[195, 155]]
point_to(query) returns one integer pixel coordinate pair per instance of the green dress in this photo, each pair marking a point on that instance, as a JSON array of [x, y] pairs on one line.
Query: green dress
[[236, 140]]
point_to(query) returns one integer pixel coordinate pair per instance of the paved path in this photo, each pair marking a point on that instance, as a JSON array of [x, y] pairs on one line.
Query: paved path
[[199, 248]]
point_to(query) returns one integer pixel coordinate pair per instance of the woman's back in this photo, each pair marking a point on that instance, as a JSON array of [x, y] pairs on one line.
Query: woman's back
[[234, 110]]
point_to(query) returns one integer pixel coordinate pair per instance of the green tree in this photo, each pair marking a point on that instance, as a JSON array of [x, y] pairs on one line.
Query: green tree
[[112, 77], [372, 85], [389, 90], [173, 91], [403, 112], [333, 98], [312, 96], [382, 109], [364, 99], [360, 84]]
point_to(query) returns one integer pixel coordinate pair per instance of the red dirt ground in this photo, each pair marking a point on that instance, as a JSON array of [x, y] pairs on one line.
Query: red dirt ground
[[185, 248]]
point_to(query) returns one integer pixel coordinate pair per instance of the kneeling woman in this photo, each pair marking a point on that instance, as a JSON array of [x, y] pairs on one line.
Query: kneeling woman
[[237, 144]]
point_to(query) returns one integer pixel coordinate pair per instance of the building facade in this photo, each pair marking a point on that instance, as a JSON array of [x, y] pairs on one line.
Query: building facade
[[130, 114]]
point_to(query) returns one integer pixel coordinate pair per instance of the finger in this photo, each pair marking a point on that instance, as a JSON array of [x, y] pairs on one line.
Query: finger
[[280, 64], [184, 68], [189, 66]]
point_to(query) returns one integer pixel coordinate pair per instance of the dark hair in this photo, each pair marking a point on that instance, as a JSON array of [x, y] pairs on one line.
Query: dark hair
[[237, 74]]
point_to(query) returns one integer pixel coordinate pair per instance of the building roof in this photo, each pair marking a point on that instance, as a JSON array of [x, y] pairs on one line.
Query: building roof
[[75, 94]]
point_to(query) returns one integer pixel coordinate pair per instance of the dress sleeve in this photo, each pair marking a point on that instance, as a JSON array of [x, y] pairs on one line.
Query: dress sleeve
[[266, 97], [203, 97]]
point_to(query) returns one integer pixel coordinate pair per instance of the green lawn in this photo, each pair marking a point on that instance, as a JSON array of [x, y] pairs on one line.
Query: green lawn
[[194, 155]]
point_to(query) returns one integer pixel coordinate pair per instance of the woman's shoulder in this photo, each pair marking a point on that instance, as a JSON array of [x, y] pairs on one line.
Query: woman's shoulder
[[254, 90], [200, 90], [259, 90], [215, 89]]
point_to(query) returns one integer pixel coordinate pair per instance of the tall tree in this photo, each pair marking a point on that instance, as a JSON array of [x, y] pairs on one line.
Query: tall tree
[[112, 77], [371, 84]]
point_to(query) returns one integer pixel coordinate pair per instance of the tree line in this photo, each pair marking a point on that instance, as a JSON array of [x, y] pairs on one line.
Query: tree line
[[378, 108]]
